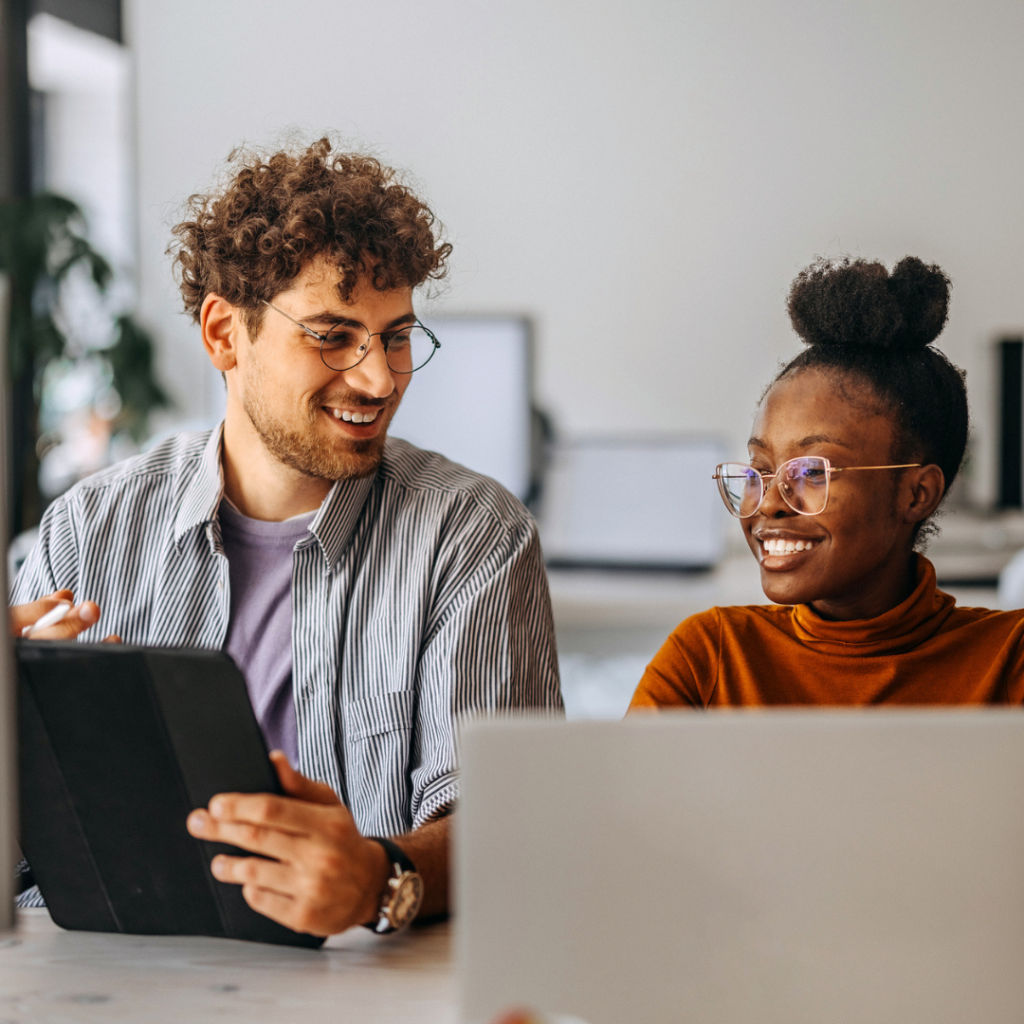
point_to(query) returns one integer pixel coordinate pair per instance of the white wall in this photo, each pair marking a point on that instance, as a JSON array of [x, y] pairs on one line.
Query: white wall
[[643, 178], [87, 125]]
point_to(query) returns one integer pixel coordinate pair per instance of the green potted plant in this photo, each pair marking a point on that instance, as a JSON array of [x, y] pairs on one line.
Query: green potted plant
[[42, 245]]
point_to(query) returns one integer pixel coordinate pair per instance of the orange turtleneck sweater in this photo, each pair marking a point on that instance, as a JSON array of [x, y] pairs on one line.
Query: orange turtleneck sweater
[[923, 651]]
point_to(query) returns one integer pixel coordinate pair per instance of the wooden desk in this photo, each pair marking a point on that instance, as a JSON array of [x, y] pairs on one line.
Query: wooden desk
[[49, 976]]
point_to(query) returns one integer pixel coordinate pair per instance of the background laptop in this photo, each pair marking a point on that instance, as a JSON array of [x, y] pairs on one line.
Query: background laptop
[[785, 867]]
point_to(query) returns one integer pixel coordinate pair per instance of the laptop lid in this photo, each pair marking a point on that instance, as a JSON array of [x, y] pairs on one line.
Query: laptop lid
[[784, 867]]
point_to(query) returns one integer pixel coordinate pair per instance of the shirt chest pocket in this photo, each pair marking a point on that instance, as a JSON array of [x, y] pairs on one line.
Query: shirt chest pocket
[[378, 733], [379, 714]]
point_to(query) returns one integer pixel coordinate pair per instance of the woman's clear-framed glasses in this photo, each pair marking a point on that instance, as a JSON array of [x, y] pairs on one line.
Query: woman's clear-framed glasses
[[803, 484], [407, 348]]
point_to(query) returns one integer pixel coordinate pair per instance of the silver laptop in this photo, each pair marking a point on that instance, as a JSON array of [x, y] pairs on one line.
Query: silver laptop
[[777, 867]]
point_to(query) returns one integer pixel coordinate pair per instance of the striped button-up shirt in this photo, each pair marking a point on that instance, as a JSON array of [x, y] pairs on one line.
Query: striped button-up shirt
[[418, 599]]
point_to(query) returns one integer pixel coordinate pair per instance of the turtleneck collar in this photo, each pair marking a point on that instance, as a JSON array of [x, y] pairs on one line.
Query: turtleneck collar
[[901, 628]]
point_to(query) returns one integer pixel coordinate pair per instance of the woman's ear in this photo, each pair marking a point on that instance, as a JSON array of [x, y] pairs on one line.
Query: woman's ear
[[221, 324], [924, 487]]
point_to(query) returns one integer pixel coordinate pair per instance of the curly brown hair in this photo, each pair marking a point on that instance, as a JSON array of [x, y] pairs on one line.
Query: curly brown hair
[[251, 239]]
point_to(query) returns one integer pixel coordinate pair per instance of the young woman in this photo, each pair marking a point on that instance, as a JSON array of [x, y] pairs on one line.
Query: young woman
[[854, 446]]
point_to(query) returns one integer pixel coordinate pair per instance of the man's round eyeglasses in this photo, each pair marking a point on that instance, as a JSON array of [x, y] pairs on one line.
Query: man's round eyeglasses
[[407, 348], [803, 484]]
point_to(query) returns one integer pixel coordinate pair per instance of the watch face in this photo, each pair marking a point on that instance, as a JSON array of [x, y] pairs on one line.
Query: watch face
[[405, 900]]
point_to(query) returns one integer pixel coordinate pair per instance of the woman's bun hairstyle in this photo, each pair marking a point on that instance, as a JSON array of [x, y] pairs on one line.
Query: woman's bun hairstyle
[[861, 322], [856, 302]]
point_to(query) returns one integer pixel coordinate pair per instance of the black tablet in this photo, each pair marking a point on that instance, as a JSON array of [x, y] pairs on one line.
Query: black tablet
[[117, 744]]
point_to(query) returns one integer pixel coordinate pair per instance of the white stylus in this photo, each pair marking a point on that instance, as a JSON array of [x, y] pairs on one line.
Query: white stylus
[[51, 618]]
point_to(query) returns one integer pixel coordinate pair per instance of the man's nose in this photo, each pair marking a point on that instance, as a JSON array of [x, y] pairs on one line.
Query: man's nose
[[371, 375]]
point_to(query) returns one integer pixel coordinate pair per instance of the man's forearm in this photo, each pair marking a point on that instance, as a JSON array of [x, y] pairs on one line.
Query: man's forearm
[[429, 848]]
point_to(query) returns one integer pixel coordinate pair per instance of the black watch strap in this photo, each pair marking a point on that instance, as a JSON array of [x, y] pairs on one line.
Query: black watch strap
[[395, 853], [403, 894]]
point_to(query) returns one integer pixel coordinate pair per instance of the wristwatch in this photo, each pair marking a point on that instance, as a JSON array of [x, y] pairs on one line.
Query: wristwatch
[[402, 895]]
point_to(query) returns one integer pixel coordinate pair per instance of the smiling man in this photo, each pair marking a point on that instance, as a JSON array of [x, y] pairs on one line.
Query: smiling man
[[372, 593]]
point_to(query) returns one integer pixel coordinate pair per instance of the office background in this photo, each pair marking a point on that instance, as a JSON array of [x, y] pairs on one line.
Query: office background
[[637, 182], [641, 179]]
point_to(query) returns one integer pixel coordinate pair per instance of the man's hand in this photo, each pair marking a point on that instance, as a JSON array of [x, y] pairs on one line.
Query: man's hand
[[324, 876], [76, 621]]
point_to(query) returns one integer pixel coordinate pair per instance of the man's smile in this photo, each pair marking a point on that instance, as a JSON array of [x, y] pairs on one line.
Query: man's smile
[[353, 415], [356, 422]]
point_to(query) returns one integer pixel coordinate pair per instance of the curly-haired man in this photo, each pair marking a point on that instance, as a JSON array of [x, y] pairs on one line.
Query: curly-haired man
[[371, 592]]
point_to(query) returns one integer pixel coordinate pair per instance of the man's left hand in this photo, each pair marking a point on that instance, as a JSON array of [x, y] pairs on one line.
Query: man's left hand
[[323, 876]]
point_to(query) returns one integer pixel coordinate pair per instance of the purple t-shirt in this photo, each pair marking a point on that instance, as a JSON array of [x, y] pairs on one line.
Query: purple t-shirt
[[259, 636]]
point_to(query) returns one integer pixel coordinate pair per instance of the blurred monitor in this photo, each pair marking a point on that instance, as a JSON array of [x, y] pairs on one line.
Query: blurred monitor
[[471, 402], [634, 504], [1011, 422], [8, 754]]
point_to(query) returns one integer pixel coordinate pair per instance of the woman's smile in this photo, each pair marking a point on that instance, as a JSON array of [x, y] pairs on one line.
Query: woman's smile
[[780, 551]]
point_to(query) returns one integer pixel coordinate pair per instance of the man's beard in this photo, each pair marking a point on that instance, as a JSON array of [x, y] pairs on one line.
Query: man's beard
[[307, 451]]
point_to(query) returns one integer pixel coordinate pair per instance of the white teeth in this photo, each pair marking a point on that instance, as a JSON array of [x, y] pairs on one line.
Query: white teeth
[[355, 417], [778, 546]]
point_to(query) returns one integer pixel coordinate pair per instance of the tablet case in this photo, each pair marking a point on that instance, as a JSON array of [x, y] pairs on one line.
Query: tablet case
[[117, 744]]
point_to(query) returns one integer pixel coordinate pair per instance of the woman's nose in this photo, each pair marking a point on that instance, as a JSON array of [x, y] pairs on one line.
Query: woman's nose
[[773, 505]]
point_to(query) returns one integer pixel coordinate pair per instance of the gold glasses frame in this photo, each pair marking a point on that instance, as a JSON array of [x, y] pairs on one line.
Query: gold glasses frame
[[779, 476]]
